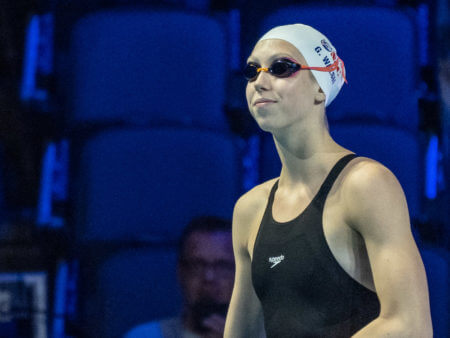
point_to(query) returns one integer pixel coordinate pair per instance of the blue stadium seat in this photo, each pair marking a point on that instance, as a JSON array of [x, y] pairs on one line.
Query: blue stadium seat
[[147, 65], [138, 184], [130, 287], [395, 148], [379, 48]]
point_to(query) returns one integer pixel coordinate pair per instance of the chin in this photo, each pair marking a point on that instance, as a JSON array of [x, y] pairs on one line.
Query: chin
[[264, 122], [267, 129], [268, 126]]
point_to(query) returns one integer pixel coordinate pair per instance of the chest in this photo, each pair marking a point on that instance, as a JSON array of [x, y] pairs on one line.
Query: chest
[[326, 242]]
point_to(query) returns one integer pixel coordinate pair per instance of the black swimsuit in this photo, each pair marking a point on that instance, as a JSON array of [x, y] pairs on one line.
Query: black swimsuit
[[303, 290]]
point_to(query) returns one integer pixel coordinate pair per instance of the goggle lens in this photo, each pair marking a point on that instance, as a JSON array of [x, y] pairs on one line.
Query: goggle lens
[[281, 69], [250, 71]]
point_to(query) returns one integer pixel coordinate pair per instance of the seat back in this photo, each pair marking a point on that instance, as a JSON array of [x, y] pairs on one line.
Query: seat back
[[146, 184], [148, 65], [128, 288]]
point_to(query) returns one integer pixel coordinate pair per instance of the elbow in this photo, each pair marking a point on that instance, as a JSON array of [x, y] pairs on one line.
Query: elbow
[[398, 326], [414, 321]]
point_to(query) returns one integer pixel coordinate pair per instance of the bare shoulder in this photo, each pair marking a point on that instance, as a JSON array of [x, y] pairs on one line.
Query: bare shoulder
[[368, 178], [254, 199], [372, 194], [249, 208]]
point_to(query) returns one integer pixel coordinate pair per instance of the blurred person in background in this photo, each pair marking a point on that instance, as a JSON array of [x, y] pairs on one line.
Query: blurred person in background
[[205, 272]]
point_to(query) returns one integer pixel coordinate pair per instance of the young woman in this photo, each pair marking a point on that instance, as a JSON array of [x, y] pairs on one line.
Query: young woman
[[325, 249]]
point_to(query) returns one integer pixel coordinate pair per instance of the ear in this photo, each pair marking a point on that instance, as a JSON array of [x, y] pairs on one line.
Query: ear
[[319, 97]]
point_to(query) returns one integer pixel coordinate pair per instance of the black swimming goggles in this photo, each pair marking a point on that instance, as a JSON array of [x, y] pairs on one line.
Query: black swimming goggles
[[283, 68]]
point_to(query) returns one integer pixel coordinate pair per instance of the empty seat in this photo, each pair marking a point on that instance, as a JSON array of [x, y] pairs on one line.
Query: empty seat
[[137, 184], [147, 65], [128, 288], [378, 46]]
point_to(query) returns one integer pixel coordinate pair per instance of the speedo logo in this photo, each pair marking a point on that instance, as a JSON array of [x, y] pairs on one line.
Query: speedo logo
[[275, 260]]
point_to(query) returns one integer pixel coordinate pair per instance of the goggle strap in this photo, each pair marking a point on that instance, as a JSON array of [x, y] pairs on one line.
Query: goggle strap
[[329, 68]]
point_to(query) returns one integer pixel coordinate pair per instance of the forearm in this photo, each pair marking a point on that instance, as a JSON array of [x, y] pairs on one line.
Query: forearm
[[394, 327]]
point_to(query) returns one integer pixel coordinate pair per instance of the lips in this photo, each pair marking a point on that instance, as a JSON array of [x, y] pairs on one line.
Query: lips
[[263, 101]]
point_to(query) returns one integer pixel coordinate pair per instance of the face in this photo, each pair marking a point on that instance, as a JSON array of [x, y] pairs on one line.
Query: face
[[284, 100], [207, 269]]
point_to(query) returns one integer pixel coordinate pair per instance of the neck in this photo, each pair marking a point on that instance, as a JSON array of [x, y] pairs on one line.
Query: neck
[[305, 152]]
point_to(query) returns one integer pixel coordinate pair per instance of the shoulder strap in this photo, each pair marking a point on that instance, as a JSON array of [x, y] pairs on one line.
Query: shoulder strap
[[272, 193], [331, 178]]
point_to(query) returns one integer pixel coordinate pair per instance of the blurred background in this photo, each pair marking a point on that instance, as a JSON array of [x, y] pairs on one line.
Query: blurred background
[[120, 120]]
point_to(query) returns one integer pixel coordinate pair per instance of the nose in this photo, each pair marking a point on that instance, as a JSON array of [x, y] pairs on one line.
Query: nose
[[263, 80]]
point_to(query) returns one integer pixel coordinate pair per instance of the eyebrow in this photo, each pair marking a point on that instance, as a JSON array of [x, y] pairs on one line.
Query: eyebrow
[[273, 57]]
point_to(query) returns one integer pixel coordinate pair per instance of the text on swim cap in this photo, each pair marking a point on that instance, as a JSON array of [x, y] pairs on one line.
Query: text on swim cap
[[327, 62]]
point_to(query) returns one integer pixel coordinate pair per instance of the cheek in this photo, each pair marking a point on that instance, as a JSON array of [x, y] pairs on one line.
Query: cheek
[[249, 91], [298, 95], [188, 283], [224, 291], [191, 289]]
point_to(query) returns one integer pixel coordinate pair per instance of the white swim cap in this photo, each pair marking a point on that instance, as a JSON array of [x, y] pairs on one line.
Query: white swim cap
[[318, 52]]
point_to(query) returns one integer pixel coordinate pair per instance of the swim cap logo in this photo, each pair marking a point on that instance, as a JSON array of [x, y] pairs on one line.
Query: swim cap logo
[[326, 45], [340, 68]]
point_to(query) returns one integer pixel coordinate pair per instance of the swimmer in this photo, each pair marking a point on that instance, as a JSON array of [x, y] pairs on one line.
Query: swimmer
[[325, 249]]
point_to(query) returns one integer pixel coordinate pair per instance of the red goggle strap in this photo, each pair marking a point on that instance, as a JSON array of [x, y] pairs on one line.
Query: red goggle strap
[[329, 68]]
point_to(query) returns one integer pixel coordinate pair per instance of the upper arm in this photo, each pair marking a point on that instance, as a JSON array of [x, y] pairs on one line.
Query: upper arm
[[244, 318], [377, 209]]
